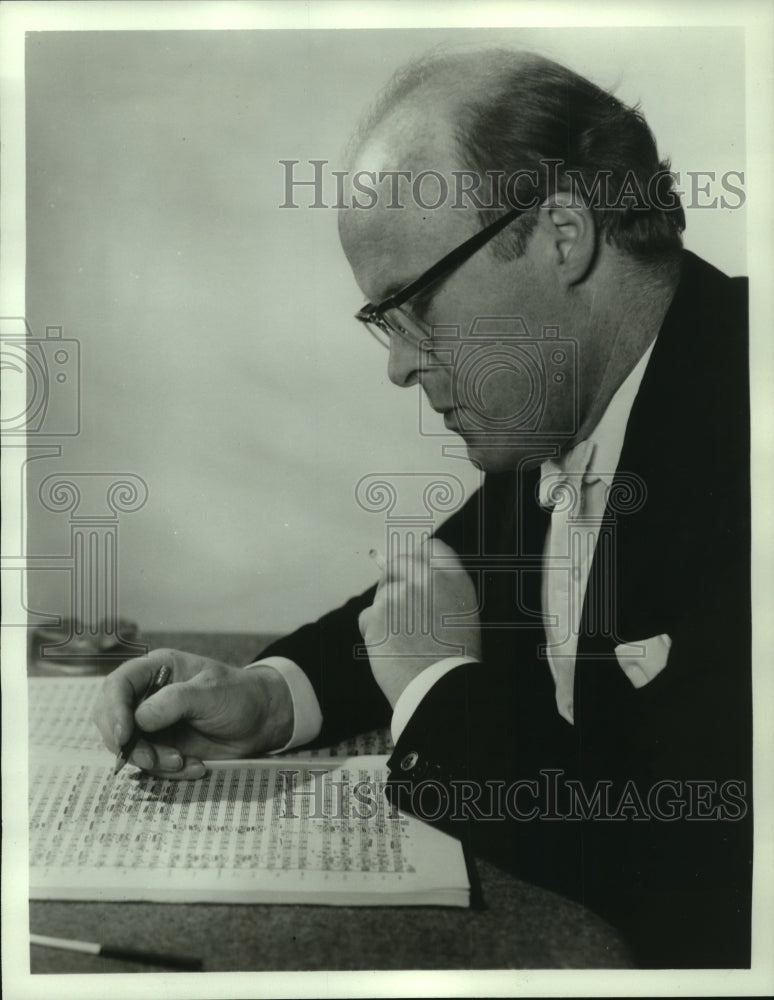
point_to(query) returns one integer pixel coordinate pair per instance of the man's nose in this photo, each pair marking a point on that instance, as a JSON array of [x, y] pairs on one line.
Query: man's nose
[[404, 363]]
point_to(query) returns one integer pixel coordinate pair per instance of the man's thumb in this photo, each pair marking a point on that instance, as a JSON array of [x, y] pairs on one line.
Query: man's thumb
[[165, 708]]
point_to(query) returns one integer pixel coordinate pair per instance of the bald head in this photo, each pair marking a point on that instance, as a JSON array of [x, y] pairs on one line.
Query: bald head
[[418, 125], [438, 87], [502, 116], [409, 160], [410, 151]]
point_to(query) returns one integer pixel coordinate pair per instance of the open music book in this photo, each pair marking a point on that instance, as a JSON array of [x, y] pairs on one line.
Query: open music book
[[274, 830]]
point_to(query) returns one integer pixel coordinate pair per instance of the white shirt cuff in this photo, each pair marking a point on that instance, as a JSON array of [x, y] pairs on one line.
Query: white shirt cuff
[[307, 717], [415, 690]]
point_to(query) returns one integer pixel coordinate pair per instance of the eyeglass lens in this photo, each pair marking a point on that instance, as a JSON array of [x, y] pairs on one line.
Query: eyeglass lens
[[397, 322]]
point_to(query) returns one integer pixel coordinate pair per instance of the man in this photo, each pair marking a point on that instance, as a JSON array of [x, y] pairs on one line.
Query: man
[[592, 730]]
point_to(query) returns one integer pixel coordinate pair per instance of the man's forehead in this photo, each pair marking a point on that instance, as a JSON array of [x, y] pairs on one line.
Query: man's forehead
[[416, 133], [387, 248], [409, 220]]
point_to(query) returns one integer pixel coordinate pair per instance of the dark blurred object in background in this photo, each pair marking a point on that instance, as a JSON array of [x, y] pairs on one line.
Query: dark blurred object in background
[[74, 648]]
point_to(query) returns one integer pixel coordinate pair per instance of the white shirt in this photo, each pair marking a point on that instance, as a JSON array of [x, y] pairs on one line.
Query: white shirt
[[572, 536], [569, 549]]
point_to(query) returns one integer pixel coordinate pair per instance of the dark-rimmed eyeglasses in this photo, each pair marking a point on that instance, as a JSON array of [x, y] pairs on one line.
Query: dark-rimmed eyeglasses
[[388, 319]]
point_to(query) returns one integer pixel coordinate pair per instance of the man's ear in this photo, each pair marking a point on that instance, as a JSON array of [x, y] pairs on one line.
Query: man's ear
[[572, 234]]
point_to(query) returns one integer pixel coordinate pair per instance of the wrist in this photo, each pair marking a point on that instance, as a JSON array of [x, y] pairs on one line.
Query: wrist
[[274, 707]]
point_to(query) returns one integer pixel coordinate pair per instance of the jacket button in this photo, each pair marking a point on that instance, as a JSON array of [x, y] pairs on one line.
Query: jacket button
[[409, 761]]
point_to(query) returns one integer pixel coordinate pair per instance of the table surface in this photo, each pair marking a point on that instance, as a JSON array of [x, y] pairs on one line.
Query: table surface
[[521, 927]]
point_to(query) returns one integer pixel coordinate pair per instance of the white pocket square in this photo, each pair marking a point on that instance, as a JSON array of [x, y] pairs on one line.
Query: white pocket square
[[642, 661]]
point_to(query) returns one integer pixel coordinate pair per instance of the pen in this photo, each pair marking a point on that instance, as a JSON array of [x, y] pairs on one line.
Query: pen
[[158, 682], [109, 951]]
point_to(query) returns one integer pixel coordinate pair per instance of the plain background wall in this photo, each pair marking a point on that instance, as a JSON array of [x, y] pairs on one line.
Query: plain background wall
[[220, 360]]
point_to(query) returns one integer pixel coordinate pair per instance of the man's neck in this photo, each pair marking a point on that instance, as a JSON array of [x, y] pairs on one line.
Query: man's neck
[[637, 301]]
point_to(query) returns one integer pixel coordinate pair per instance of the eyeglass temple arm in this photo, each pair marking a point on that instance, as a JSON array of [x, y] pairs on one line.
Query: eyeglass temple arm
[[452, 260]]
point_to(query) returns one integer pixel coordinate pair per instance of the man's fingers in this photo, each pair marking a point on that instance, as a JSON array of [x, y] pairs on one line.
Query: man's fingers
[[168, 706], [114, 714], [363, 619], [206, 696], [150, 756], [440, 549], [190, 772], [190, 769], [135, 676], [434, 556], [121, 692], [143, 756]]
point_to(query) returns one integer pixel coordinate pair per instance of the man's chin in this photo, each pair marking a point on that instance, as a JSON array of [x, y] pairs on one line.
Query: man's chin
[[503, 457]]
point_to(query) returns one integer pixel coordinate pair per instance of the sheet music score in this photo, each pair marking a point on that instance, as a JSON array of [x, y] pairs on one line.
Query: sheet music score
[[60, 713], [61, 717], [276, 830]]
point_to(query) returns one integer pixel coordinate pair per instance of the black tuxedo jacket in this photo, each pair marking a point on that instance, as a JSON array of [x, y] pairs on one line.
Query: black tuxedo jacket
[[642, 808]]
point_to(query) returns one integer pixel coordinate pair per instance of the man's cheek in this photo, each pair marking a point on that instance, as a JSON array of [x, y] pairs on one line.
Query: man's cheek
[[499, 394]]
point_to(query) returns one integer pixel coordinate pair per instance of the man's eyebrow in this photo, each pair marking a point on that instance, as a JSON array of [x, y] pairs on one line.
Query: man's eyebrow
[[394, 286], [422, 297]]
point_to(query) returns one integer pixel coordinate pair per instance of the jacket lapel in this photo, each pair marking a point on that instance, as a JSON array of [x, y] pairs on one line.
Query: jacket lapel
[[659, 505]]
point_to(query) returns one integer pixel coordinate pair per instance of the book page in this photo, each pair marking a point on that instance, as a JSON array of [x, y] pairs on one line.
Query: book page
[[61, 717], [262, 832], [60, 713], [379, 741], [271, 830]]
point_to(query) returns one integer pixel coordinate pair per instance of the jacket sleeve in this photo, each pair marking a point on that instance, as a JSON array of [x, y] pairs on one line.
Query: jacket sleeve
[[328, 652]]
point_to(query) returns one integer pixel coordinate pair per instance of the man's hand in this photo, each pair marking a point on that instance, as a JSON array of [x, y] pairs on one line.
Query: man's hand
[[405, 628], [206, 711]]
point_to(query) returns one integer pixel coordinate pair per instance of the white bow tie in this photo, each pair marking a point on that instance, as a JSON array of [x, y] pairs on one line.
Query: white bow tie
[[561, 481]]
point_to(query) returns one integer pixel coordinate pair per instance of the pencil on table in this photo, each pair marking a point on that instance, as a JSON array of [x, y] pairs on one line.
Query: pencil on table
[[112, 951]]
